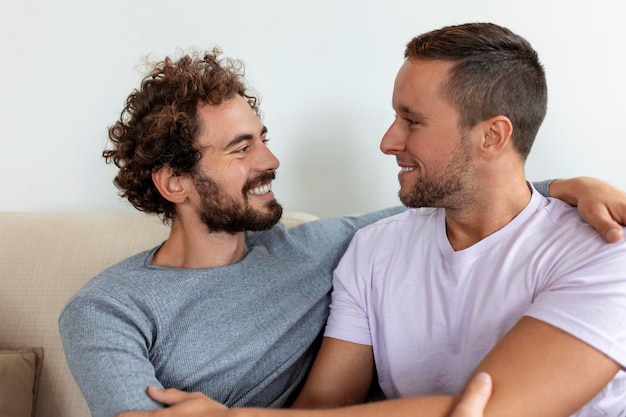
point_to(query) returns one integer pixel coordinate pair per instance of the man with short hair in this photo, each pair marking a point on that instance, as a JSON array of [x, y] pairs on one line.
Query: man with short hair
[[483, 273], [231, 304]]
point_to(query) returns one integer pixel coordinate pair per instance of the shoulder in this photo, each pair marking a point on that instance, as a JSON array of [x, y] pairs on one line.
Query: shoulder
[[328, 233], [125, 271], [561, 224], [400, 224], [119, 281], [569, 249], [562, 214], [389, 237]]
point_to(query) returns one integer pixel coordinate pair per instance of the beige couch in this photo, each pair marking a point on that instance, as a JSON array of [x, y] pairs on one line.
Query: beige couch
[[44, 259]]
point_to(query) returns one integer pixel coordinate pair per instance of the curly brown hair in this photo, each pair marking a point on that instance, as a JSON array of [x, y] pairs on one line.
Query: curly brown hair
[[159, 123]]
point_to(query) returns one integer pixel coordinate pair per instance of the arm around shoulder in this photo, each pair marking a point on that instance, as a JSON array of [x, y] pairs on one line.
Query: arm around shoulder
[[599, 203]]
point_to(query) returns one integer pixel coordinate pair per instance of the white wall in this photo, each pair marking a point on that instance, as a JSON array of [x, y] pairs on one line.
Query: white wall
[[323, 68]]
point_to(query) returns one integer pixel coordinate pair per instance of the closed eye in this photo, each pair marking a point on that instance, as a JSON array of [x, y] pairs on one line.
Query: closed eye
[[408, 120], [411, 116]]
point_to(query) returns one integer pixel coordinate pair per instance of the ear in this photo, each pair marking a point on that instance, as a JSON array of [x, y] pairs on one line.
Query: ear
[[170, 185], [497, 133]]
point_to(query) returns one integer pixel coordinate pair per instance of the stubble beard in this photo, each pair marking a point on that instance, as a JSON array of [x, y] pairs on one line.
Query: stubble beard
[[445, 189], [222, 213]]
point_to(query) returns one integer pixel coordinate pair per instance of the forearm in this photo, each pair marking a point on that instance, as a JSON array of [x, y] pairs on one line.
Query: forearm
[[572, 190], [599, 203], [565, 190], [437, 406]]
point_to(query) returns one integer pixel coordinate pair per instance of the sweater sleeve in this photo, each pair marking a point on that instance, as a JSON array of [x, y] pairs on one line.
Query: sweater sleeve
[[329, 238], [106, 344], [543, 187]]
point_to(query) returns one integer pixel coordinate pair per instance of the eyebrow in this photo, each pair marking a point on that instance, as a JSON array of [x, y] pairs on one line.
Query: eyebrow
[[243, 137], [408, 111]]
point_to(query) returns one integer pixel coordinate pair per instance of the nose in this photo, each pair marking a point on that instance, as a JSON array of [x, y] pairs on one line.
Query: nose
[[392, 142], [268, 160]]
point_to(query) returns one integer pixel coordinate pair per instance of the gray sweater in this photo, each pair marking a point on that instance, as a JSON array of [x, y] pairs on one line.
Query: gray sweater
[[243, 334]]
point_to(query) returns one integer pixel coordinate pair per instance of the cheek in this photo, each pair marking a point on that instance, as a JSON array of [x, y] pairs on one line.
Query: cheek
[[432, 154], [227, 170], [235, 174]]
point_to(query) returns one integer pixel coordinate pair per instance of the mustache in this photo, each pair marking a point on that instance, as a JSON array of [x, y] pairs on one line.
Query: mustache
[[262, 178]]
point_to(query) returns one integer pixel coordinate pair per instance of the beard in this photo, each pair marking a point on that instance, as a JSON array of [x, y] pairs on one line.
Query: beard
[[445, 188], [222, 213]]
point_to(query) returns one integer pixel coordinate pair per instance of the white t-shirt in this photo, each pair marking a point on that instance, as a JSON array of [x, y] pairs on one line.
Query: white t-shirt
[[432, 313]]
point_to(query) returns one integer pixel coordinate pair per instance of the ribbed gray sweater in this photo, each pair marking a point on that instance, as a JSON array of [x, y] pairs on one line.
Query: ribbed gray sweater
[[243, 334]]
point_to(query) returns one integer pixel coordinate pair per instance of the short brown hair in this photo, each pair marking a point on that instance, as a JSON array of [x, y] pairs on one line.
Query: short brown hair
[[158, 125], [495, 72]]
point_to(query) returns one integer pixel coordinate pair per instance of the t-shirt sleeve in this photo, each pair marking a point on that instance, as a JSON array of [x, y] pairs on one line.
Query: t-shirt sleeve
[[587, 298], [348, 318], [106, 347]]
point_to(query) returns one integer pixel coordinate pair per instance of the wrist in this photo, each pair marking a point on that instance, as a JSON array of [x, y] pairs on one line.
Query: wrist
[[566, 190]]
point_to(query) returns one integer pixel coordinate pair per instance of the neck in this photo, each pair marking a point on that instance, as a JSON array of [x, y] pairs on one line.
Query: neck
[[493, 207], [192, 245]]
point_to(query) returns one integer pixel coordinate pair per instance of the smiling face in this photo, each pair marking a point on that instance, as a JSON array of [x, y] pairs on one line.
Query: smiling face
[[430, 148], [233, 177]]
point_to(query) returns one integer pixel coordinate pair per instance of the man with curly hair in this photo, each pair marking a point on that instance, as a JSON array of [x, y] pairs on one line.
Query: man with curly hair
[[232, 303]]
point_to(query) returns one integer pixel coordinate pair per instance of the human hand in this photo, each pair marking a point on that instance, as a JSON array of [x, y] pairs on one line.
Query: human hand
[[599, 203], [475, 397], [180, 404]]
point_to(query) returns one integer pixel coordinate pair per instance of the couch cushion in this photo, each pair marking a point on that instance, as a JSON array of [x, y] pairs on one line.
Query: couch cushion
[[19, 376]]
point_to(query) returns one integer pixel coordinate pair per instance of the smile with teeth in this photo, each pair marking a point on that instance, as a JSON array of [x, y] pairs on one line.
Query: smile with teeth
[[407, 169], [262, 189]]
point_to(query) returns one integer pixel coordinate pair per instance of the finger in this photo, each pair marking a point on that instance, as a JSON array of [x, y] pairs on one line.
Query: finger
[[167, 396], [608, 227], [614, 235], [602, 219], [475, 397]]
